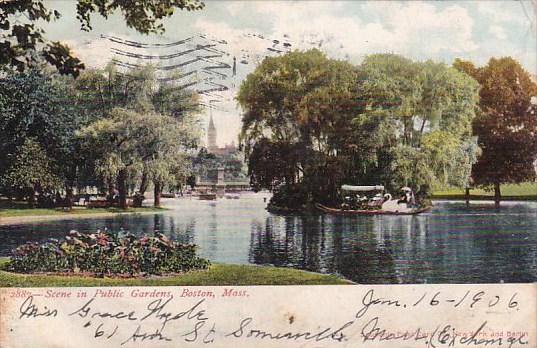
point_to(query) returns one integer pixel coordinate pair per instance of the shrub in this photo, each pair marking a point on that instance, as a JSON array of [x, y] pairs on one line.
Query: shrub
[[107, 253], [291, 196]]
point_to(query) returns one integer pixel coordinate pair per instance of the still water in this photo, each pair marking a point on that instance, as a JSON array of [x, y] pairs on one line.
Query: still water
[[450, 244]]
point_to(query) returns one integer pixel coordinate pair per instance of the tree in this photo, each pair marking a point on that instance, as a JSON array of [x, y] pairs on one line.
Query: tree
[[506, 127], [166, 161], [421, 113], [171, 168], [23, 44], [272, 162], [301, 100], [97, 92], [33, 106], [30, 172], [126, 142], [116, 142]]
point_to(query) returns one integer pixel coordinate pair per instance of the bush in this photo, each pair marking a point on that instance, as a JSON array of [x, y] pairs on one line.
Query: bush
[[107, 253], [293, 196]]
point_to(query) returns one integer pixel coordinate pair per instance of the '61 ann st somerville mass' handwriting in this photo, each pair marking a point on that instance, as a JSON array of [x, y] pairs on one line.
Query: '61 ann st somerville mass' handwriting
[[185, 315]]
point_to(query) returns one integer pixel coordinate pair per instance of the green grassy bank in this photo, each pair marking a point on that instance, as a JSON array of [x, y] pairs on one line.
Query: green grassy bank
[[525, 191], [218, 274], [21, 209]]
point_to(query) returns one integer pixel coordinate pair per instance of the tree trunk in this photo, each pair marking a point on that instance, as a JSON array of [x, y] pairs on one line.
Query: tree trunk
[[158, 190], [69, 197], [421, 131], [122, 188], [497, 194], [144, 183], [31, 197], [467, 196], [110, 191]]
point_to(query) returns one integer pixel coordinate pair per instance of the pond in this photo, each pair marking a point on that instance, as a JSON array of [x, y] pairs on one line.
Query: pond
[[451, 244]]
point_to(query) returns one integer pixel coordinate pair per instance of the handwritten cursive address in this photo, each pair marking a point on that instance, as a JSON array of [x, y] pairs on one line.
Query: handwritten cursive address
[[171, 319]]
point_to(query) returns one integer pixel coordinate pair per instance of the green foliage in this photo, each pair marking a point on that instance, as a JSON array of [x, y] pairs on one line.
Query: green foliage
[[299, 96], [107, 253], [143, 15], [322, 123], [206, 164], [30, 171], [126, 138], [142, 126], [295, 108], [272, 162], [506, 127], [23, 44], [34, 106], [291, 196]]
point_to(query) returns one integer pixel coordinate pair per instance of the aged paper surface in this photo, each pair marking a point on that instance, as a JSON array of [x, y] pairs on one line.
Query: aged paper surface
[[402, 316], [332, 107]]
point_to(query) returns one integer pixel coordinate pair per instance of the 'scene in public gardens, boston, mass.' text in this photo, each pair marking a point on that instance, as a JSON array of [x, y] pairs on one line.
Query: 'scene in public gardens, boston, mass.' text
[[425, 316]]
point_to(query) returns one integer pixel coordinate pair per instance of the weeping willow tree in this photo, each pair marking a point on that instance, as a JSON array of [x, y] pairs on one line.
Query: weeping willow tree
[[423, 113], [138, 127], [128, 144]]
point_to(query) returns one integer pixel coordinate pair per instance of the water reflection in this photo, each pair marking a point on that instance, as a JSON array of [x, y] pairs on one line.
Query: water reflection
[[452, 244]]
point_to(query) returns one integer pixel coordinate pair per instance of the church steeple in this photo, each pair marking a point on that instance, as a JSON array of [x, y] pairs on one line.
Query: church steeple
[[211, 136]]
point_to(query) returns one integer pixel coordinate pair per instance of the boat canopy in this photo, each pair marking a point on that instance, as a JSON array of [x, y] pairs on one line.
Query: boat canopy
[[362, 188]]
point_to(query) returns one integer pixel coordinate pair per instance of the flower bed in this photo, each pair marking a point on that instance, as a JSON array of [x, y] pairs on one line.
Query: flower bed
[[107, 253]]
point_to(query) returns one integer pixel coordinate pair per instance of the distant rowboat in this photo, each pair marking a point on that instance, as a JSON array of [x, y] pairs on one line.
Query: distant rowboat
[[207, 196], [232, 195]]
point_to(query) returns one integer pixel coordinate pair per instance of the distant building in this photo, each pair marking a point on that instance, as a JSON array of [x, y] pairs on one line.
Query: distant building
[[212, 147]]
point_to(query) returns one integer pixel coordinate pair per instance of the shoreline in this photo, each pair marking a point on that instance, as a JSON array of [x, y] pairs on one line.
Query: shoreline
[[479, 198], [28, 219]]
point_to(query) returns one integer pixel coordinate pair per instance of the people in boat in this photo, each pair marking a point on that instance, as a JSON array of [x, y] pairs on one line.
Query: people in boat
[[407, 197], [376, 201]]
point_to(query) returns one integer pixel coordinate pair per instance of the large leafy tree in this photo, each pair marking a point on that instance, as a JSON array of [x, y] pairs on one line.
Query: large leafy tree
[[299, 101], [507, 124], [97, 92], [30, 172], [23, 43], [33, 106], [125, 140], [420, 113]]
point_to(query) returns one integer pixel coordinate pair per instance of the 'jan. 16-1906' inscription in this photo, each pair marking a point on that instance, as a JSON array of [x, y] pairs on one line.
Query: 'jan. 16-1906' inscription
[[426, 316]]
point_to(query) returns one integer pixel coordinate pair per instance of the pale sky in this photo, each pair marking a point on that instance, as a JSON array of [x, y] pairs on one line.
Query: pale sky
[[442, 31]]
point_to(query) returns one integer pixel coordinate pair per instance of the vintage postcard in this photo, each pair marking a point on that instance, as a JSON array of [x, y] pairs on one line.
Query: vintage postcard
[[268, 173]]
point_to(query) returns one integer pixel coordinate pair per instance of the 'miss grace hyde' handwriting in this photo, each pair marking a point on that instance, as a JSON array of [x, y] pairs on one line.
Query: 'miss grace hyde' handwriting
[[161, 320]]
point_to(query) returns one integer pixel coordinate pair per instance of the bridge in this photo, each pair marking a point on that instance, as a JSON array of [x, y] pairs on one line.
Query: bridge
[[220, 186]]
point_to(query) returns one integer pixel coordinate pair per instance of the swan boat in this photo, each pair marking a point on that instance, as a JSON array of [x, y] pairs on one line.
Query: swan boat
[[377, 205]]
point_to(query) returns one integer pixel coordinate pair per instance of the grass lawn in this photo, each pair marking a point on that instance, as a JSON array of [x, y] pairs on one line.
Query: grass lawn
[[524, 191], [14, 209], [218, 274]]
